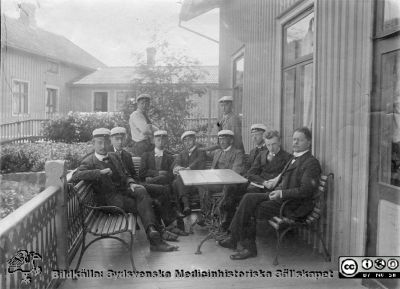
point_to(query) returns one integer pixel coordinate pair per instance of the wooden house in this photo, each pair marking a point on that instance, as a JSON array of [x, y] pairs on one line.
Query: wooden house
[[108, 89], [334, 66], [36, 68]]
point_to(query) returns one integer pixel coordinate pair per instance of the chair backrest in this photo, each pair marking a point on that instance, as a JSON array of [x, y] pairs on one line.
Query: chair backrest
[[319, 199]]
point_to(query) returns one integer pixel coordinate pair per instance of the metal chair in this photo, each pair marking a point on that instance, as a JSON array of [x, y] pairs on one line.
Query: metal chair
[[283, 224]]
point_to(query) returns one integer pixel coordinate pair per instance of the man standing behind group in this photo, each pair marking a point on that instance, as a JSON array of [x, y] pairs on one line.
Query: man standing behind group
[[190, 159], [141, 127]]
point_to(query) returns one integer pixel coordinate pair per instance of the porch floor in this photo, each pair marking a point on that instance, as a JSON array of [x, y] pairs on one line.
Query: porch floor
[[112, 255]]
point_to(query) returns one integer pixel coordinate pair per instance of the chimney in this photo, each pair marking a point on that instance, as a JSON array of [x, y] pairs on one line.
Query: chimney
[[27, 14], [151, 55]]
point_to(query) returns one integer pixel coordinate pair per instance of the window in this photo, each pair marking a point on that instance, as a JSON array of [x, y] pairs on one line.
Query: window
[[122, 97], [52, 67], [298, 78], [388, 17], [238, 72], [100, 101], [51, 100], [20, 97]]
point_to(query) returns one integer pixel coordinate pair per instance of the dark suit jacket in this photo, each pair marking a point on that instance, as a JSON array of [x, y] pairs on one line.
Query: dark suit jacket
[[253, 155], [128, 162], [196, 161], [234, 157], [105, 187], [263, 170], [300, 182], [148, 165]]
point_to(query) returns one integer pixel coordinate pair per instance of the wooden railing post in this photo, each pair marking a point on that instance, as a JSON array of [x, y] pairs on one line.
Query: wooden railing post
[[55, 174]]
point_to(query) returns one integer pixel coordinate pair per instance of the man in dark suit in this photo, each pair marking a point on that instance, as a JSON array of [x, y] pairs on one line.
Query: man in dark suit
[[298, 181], [190, 159], [159, 193], [156, 165], [268, 164], [226, 157], [257, 134], [113, 186]]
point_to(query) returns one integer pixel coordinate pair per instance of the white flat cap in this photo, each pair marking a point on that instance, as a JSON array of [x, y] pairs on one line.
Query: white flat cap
[[143, 95], [118, 130], [226, 98], [258, 127], [160, 133], [188, 133], [225, 132], [101, 132]]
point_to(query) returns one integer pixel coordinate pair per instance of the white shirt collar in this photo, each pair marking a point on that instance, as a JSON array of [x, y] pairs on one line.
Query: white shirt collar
[[261, 146], [228, 148], [100, 157], [158, 152], [274, 154], [299, 154]]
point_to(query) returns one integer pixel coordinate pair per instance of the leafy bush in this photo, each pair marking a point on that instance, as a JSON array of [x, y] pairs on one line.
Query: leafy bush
[[78, 126], [32, 156]]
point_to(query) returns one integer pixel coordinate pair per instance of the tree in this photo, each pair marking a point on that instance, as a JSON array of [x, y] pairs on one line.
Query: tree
[[170, 86]]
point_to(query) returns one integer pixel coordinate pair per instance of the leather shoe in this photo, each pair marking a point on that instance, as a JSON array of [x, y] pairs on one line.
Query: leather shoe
[[243, 254], [179, 215], [152, 233], [227, 243], [169, 236], [163, 246], [178, 231]]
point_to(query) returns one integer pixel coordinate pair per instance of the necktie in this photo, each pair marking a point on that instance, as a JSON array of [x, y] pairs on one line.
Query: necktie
[[148, 121]]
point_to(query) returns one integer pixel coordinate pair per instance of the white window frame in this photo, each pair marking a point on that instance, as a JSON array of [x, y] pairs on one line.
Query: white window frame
[[58, 97], [283, 19], [108, 98], [241, 52], [12, 95]]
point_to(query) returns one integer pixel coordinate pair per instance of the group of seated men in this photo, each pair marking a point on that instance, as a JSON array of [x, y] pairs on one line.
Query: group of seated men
[[157, 193]]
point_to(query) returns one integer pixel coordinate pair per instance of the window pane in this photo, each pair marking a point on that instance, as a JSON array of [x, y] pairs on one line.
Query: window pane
[[51, 100], [299, 39], [390, 158], [239, 69], [391, 14], [288, 119], [100, 101], [306, 91]]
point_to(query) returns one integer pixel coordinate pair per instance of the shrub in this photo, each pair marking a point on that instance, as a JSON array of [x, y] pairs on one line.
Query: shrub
[[33, 156], [78, 126]]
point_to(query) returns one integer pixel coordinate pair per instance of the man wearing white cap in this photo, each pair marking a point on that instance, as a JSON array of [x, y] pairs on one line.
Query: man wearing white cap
[[230, 121], [141, 127], [190, 159], [257, 135], [113, 186], [227, 157], [159, 193], [156, 165]]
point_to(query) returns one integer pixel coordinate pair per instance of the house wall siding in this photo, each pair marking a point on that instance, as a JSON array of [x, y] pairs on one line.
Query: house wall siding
[[342, 61], [33, 69]]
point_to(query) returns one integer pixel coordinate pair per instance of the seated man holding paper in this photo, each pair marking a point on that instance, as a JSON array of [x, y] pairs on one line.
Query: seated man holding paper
[[268, 164], [298, 181]]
